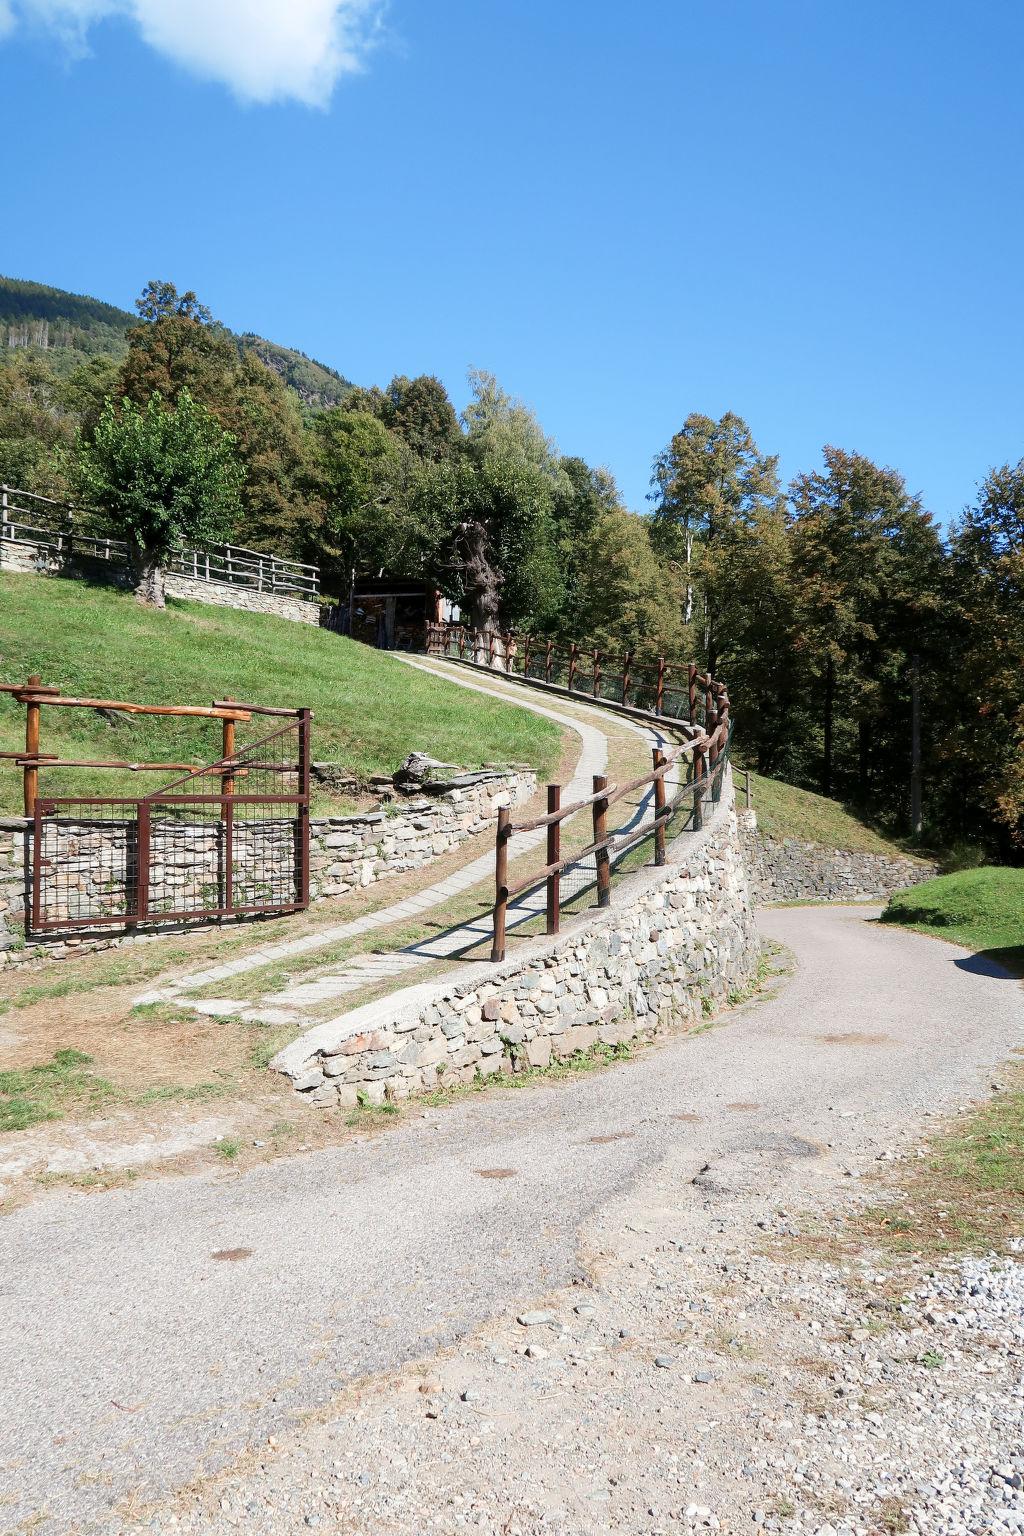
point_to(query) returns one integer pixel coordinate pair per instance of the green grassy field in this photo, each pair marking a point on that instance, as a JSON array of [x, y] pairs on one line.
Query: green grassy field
[[370, 709], [785, 811], [982, 909]]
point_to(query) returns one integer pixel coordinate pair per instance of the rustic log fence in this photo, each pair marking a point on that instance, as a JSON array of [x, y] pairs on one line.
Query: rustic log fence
[[59, 532], [706, 755], [635, 680], [674, 693]]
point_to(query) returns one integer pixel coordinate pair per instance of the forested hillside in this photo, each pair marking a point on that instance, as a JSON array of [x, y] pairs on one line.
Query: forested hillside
[[827, 604], [67, 329]]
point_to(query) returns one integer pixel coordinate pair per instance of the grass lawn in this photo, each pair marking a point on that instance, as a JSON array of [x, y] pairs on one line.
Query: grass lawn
[[982, 909], [370, 710], [785, 811]]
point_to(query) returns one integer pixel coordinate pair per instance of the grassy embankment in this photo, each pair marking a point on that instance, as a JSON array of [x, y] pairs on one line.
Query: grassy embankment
[[982, 909], [370, 710]]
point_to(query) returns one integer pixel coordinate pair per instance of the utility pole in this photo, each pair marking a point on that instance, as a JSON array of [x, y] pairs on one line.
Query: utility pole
[[916, 818]]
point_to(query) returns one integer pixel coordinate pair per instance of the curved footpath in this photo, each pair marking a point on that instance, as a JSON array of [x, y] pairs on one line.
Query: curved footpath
[[137, 1358]]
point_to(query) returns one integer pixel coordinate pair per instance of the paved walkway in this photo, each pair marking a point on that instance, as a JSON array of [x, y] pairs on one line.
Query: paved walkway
[[288, 1004], [137, 1355]]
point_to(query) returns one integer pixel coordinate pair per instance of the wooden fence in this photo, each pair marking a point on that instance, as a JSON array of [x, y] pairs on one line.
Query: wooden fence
[[706, 724], [643, 683], [60, 532]]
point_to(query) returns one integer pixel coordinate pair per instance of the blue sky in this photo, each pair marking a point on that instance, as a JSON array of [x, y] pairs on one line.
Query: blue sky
[[806, 211]]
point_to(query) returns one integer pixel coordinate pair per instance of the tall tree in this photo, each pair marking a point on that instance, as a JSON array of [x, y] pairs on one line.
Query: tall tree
[[866, 562], [364, 476], [502, 515], [984, 659], [179, 347], [709, 484]]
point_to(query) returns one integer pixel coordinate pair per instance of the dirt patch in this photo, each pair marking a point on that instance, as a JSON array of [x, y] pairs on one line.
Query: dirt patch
[[232, 1255], [743, 1105], [855, 1037], [601, 1141], [495, 1173], [690, 1118]]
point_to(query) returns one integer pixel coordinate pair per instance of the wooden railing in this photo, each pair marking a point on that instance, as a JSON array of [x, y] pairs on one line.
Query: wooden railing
[[706, 754], [60, 530], [637, 680]]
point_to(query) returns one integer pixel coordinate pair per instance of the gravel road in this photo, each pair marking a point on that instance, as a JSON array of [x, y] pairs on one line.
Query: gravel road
[[152, 1333]]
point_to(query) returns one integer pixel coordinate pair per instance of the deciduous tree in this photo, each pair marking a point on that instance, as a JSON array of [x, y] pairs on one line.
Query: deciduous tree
[[163, 477]]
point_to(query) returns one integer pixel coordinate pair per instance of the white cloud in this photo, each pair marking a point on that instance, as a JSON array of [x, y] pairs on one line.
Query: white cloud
[[264, 50], [6, 18]]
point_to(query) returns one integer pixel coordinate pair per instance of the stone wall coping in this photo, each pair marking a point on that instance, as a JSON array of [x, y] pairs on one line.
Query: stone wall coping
[[296, 1057], [15, 823]]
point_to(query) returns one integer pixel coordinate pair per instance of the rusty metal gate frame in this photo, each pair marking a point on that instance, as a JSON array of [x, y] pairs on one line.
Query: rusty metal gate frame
[[47, 814]]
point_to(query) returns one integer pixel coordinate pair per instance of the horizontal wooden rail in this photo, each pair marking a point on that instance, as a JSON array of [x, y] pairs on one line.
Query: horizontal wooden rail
[[710, 755], [257, 709], [119, 706]]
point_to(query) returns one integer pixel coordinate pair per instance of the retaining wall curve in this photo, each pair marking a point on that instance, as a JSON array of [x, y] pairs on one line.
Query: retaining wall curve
[[673, 947], [784, 869]]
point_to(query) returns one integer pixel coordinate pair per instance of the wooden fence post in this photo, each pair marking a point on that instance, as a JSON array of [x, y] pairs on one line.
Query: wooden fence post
[[554, 854], [627, 663], [501, 882], [31, 775], [227, 810], [142, 847], [526, 655], [572, 666], [548, 652], [659, 808], [691, 688], [602, 857], [698, 794], [597, 673], [659, 698]]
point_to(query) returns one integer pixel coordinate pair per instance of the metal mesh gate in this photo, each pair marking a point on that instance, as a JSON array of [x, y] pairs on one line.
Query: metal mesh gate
[[224, 840]]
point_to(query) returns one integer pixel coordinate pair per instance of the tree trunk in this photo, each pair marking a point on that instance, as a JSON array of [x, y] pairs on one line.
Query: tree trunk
[[148, 574], [830, 699], [863, 758], [483, 587]]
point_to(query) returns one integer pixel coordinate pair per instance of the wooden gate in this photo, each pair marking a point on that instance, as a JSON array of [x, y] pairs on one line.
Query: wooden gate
[[225, 839]]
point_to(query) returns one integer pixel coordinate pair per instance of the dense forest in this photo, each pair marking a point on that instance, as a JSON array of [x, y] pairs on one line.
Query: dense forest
[[825, 603]]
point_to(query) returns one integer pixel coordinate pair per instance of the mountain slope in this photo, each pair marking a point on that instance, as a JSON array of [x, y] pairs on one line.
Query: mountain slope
[[69, 328]]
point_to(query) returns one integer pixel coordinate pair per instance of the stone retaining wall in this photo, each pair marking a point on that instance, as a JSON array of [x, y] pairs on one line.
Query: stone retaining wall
[[228, 594], [92, 861], [33, 559], [673, 947], [783, 869]]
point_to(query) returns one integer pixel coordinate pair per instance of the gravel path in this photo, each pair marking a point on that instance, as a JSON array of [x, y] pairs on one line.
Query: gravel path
[[154, 1333]]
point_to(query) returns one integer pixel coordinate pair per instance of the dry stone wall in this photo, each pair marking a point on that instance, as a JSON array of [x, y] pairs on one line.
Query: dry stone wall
[[92, 863], [784, 869], [677, 942], [228, 594], [351, 851]]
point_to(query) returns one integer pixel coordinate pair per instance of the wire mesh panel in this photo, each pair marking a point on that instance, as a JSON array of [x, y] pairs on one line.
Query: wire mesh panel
[[229, 838], [85, 865]]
